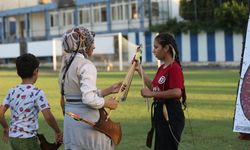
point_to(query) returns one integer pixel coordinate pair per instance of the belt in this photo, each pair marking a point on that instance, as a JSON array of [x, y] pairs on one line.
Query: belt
[[73, 100]]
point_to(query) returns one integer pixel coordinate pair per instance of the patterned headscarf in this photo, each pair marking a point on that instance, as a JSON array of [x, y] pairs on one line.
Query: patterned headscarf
[[77, 39]]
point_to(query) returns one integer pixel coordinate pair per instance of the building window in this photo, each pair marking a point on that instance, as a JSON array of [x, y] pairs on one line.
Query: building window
[[68, 18], [117, 12], [134, 14], [99, 13], [114, 14], [103, 14], [12, 28], [96, 13], [84, 16], [155, 9], [124, 10], [53, 20]]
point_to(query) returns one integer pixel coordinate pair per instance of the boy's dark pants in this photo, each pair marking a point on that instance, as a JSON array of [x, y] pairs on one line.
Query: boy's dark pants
[[24, 143]]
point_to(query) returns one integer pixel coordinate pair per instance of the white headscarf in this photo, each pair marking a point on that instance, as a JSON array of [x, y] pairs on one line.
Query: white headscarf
[[77, 39]]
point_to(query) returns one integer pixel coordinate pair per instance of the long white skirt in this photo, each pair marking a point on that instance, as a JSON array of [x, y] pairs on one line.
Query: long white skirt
[[79, 135]]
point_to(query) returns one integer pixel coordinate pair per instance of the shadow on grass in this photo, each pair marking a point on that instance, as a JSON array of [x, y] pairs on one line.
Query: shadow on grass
[[205, 135]]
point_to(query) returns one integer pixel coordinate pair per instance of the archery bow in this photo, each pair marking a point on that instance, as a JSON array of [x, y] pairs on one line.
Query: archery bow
[[122, 94]]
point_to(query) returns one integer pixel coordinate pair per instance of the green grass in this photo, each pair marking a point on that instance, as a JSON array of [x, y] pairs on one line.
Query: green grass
[[209, 117]]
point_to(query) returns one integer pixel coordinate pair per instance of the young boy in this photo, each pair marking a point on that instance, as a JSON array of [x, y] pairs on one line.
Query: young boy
[[25, 101]]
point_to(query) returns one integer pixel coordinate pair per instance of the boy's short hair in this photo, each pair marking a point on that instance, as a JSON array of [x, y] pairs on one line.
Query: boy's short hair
[[26, 64]]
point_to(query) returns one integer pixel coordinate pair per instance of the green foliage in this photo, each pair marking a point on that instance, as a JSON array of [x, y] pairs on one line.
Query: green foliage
[[232, 16], [186, 10], [209, 16], [174, 26], [171, 26], [203, 10]]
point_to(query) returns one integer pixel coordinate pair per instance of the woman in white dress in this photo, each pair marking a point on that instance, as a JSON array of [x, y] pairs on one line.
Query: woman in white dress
[[78, 87]]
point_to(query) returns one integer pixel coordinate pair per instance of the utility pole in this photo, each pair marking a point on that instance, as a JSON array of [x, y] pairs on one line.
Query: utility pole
[[248, 5], [22, 40], [22, 45], [149, 14], [195, 10]]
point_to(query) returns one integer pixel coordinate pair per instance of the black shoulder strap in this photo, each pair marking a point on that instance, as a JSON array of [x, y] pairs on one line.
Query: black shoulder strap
[[66, 70]]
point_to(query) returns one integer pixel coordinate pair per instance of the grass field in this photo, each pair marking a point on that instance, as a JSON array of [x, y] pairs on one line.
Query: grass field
[[209, 118]]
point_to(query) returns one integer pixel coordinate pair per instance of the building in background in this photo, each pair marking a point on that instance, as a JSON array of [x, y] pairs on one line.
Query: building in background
[[41, 22]]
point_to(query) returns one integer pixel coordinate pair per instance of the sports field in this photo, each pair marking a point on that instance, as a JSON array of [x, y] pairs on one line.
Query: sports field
[[209, 117]]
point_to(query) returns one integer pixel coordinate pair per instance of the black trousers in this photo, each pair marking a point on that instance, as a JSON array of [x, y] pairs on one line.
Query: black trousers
[[168, 134]]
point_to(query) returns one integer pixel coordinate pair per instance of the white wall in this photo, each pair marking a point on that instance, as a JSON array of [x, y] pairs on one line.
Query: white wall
[[186, 55], [104, 45], [9, 50], [202, 48], [237, 43], [41, 48], [220, 47], [12, 4]]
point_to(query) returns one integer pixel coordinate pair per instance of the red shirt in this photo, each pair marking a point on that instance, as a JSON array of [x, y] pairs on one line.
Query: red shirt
[[168, 78]]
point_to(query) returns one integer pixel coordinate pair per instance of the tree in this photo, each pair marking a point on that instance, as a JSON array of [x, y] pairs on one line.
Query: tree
[[204, 9], [200, 15], [232, 16]]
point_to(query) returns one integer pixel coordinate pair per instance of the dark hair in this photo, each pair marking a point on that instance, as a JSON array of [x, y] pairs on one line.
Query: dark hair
[[167, 39], [26, 64]]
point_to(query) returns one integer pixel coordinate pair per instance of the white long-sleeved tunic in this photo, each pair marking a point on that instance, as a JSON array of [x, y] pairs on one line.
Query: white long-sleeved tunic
[[80, 83]]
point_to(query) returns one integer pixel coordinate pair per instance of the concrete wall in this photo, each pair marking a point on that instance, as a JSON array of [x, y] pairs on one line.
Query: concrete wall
[[202, 47]]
